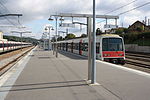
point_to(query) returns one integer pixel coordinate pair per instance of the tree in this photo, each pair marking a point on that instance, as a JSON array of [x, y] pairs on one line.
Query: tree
[[98, 31], [83, 35], [119, 31], [60, 38], [125, 30], [70, 36], [24, 39]]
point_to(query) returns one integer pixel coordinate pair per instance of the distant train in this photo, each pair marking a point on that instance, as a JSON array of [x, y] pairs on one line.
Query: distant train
[[109, 47], [11, 45]]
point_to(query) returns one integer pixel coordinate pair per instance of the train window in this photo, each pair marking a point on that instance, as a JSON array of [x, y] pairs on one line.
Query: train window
[[105, 44], [66, 46], [85, 46], [8, 44], [76, 46], [73, 45], [69, 45], [112, 44], [5, 45], [1, 45], [97, 47]]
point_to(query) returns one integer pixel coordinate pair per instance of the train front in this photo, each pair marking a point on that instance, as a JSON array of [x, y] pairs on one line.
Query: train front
[[113, 50]]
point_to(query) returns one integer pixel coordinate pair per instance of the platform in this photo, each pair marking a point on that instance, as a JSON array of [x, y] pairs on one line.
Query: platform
[[42, 76]]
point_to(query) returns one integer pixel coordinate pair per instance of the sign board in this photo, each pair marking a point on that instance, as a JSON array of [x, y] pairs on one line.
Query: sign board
[[66, 25], [110, 26]]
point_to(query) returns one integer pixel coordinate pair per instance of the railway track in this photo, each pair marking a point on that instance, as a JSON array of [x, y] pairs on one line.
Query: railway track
[[138, 55], [139, 60], [10, 64], [138, 64]]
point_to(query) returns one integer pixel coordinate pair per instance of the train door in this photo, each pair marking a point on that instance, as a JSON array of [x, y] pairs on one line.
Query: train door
[[63, 46], [72, 47], [3, 45], [13, 44], [7, 45], [66, 46], [80, 48]]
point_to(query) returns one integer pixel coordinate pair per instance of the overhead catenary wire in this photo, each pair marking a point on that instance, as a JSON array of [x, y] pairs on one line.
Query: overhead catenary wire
[[120, 7], [117, 9], [134, 8], [9, 12], [128, 10], [8, 20], [11, 22]]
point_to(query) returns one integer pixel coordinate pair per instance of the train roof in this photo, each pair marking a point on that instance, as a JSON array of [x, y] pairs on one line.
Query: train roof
[[86, 38], [110, 35]]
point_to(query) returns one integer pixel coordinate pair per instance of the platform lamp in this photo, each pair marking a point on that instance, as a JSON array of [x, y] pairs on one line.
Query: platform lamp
[[56, 18], [50, 28]]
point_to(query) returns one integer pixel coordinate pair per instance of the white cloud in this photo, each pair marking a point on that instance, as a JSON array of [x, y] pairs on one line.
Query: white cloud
[[41, 9]]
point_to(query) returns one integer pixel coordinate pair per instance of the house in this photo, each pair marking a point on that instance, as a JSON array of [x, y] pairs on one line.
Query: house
[[1, 35], [138, 27]]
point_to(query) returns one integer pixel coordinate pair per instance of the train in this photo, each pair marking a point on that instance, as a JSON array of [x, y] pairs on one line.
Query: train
[[11, 45], [109, 47]]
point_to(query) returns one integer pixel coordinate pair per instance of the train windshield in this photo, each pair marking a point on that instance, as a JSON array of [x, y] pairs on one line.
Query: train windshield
[[112, 44]]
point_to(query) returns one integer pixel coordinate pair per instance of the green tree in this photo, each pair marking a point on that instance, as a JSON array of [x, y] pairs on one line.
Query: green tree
[[60, 38], [125, 30], [24, 39], [119, 31], [83, 35], [98, 31], [70, 36]]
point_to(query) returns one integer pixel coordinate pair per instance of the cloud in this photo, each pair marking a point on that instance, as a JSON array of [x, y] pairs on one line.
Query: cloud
[[33, 10]]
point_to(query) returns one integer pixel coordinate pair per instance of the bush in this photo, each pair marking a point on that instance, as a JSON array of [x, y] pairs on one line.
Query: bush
[[139, 38]]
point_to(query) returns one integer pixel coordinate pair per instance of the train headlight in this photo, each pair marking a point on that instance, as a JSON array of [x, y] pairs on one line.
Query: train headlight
[[120, 54], [105, 55], [108, 54]]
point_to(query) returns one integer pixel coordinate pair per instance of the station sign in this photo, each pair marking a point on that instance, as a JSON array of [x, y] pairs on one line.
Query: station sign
[[66, 25], [110, 26]]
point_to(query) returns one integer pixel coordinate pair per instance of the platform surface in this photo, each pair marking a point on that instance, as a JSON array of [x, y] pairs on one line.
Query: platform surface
[[42, 76]]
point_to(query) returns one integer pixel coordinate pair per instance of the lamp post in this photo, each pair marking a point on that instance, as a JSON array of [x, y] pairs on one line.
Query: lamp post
[[50, 28], [56, 31], [53, 44], [44, 37]]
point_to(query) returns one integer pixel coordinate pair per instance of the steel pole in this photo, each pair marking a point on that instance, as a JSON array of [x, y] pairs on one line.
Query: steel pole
[[93, 78], [116, 22], [49, 40], [21, 41], [44, 44], [89, 46], [53, 48], [56, 38]]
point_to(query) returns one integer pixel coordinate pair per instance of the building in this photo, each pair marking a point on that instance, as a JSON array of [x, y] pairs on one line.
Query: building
[[1, 35], [138, 27]]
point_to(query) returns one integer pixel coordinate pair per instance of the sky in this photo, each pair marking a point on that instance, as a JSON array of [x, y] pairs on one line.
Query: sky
[[36, 14]]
